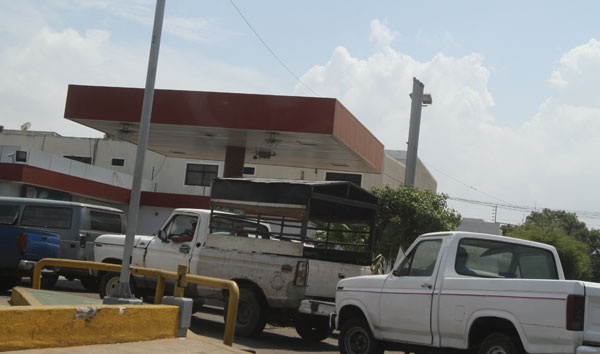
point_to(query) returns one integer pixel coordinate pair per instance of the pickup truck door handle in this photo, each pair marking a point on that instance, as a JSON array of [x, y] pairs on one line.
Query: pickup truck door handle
[[185, 249], [426, 286]]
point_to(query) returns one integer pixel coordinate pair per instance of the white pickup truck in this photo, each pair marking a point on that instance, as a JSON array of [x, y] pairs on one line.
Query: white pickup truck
[[467, 291], [279, 246]]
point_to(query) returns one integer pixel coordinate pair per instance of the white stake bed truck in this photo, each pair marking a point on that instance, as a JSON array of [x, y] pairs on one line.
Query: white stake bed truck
[[280, 241], [483, 293]]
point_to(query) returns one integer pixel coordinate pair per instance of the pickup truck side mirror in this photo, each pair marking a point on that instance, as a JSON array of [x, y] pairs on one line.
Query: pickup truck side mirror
[[162, 235]]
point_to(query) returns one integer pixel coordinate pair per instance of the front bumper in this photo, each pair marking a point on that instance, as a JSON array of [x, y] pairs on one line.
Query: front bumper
[[315, 307], [585, 349]]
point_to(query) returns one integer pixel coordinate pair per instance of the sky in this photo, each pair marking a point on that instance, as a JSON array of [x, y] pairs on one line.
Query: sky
[[515, 121]]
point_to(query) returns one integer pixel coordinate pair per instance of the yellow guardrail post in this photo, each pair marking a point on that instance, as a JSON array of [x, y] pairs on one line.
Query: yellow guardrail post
[[181, 278], [232, 308]]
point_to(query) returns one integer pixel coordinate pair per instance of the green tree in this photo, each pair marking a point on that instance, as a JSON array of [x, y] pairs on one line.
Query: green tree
[[573, 254], [405, 213], [567, 222]]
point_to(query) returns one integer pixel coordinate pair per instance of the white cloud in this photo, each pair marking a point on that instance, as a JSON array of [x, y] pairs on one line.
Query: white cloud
[[550, 161], [381, 34], [39, 64], [577, 75], [37, 73]]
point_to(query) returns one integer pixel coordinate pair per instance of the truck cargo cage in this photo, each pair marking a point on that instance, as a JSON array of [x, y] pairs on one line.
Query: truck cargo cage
[[334, 220]]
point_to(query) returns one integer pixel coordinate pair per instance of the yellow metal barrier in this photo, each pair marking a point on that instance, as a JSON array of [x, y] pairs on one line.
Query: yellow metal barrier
[[180, 277]]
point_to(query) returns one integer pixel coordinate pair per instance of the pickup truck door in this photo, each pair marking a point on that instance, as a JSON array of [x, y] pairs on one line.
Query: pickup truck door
[[167, 254], [406, 298]]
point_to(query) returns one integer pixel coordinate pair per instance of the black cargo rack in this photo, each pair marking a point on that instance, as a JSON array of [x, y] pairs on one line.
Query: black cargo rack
[[323, 215]]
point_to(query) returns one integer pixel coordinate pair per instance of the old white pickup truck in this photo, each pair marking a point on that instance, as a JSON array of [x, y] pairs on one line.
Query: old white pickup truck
[[279, 242], [483, 293]]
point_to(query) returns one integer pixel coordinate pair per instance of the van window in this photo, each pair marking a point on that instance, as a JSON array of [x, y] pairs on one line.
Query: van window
[[47, 217], [105, 222], [9, 214]]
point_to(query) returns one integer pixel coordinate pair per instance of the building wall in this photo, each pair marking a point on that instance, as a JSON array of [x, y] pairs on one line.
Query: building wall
[[167, 174]]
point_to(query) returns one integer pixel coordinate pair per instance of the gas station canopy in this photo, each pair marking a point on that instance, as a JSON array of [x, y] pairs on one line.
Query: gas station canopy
[[292, 131]]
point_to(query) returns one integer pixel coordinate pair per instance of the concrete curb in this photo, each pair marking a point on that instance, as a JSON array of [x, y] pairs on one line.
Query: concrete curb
[[38, 323]]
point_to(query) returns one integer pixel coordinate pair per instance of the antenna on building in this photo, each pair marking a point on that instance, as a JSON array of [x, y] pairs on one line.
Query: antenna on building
[[25, 126]]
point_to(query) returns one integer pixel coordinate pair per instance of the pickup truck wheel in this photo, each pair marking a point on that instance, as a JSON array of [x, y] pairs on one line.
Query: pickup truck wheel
[[499, 343], [90, 283], [312, 328], [109, 284], [356, 338], [251, 318], [9, 282]]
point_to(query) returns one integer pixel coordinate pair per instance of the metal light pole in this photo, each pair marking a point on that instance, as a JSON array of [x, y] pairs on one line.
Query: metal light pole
[[418, 100], [124, 291]]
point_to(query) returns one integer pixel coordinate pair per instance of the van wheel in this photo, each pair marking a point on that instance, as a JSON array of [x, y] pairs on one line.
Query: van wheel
[[109, 285], [499, 343], [251, 318], [48, 281], [356, 338], [312, 328]]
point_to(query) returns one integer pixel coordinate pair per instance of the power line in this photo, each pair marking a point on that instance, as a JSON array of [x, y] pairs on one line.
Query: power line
[[271, 51], [591, 215]]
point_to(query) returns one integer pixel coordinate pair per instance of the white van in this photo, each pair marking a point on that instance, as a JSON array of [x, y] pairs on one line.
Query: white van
[[78, 225]]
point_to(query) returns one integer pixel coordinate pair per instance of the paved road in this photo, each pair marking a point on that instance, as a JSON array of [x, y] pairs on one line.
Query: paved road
[[209, 323]]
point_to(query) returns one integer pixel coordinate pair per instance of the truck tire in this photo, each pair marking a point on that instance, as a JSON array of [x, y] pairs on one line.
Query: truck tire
[[499, 343], [90, 283], [251, 318], [109, 284], [312, 328], [356, 338], [48, 281], [9, 282]]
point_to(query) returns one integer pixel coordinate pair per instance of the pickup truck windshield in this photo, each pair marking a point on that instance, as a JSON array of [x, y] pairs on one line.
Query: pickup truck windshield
[[493, 259]]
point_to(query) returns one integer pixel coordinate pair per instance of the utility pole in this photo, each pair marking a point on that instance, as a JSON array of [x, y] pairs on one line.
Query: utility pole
[[418, 100], [124, 291]]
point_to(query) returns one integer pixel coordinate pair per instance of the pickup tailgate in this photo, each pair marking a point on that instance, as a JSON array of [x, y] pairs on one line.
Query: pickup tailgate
[[324, 275], [592, 314]]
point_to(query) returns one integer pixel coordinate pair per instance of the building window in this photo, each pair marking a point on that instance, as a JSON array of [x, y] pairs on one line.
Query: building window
[[200, 175], [83, 159], [21, 156], [118, 162], [249, 171], [349, 177]]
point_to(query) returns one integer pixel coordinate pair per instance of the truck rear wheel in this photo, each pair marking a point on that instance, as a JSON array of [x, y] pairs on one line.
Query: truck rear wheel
[[109, 284], [251, 318], [499, 343], [312, 328], [356, 338]]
